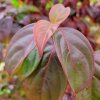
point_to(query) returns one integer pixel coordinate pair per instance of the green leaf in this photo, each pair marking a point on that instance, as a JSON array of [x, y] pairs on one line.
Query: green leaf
[[75, 54], [30, 64], [28, 8], [15, 3], [96, 89], [85, 94], [96, 78], [18, 49], [47, 82]]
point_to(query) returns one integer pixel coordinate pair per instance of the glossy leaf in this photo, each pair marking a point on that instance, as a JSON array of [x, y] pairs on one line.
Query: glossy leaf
[[19, 47], [58, 14], [75, 55], [47, 82], [30, 64], [43, 30]]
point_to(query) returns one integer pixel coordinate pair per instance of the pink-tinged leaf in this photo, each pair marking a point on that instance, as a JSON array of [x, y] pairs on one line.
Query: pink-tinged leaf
[[76, 56], [58, 14], [96, 77], [96, 88], [19, 47], [85, 94], [43, 30], [97, 63], [47, 82], [97, 56]]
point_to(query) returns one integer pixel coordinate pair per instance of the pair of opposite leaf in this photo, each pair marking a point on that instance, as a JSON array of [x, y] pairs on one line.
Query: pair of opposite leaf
[[44, 29]]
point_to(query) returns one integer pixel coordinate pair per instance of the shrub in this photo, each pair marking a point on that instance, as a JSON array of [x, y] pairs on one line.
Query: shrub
[[54, 63]]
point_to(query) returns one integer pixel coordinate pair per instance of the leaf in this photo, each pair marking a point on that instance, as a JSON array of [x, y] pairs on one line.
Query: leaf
[[58, 14], [5, 28], [96, 77], [29, 8], [47, 82], [97, 63], [96, 88], [15, 3], [97, 56], [85, 94], [1, 49], [43, 30], [19, 47], [75, 54], [30, 64]]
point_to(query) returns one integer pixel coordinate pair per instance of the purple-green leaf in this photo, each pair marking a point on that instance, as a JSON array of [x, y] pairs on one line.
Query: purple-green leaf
[[96, 88], [30, 64], [47, 82], [97, 63], [5, 28], [19, 47], [96, 77], [85, 94], [75, 54]]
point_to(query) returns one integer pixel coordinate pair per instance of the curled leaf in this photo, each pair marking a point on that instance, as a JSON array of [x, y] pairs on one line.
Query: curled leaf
[[43, 30], [58, 14]]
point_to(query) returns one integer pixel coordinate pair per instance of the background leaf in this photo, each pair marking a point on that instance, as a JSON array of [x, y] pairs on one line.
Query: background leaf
[[75, 55], [19, 47], [5, 27], [15, 3]]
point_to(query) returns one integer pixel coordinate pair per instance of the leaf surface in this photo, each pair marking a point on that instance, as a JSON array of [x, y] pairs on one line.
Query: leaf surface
[[97, 63], [5, 28], [47, 82], [30, 64], [85, 94], [96, 77], [43, 30], [58, 14], [75, 54], [96, 88], [19, 47]]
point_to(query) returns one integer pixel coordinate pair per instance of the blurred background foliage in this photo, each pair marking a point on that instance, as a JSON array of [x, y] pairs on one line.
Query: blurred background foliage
[[15, 14]]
